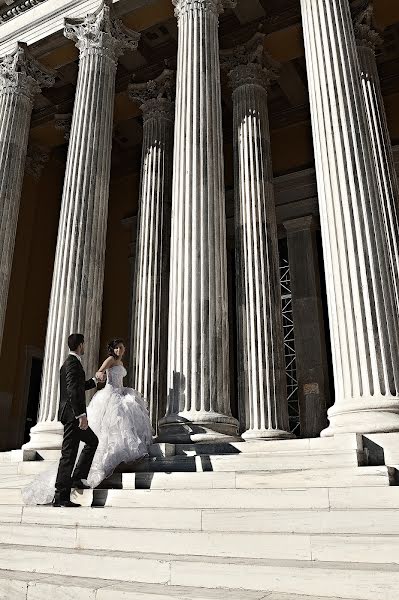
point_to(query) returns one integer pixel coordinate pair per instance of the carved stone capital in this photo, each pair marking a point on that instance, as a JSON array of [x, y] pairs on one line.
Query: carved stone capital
[[214, 7], [63, 123], [364, 27], [159, 109], [21, 73], [249, 64], [36, 158], [155, 97], [101, 33]]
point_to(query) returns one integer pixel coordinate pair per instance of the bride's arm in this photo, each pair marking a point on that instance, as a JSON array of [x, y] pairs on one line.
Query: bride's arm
[[107, 364]]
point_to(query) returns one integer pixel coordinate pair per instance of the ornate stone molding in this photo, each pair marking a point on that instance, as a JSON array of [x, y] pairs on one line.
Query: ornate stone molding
[[63, 123], [155, 97], [211, 6], [20, 72], [249, 64], [10, 12], [364, 27], [101, 32], [36, 158]]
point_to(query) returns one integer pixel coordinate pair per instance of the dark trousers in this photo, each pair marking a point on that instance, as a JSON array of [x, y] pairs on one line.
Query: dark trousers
[[70, 446]]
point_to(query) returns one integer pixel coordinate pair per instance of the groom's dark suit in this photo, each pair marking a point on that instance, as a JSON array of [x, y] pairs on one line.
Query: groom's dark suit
[[72, 405]]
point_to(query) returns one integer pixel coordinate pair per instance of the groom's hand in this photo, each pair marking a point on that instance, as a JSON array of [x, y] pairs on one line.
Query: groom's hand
[[83, 422], [100, 376]]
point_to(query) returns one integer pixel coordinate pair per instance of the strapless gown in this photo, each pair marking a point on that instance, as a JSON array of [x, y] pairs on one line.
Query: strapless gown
[[119, 417]]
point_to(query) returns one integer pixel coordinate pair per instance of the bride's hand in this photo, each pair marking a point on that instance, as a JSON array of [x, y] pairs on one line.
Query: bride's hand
[[100, 376]]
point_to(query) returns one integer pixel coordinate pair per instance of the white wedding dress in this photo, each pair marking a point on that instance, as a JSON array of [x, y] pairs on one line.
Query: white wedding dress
[[119, 417]]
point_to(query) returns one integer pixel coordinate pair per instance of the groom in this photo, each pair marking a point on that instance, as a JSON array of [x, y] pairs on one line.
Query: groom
[[72, 414]]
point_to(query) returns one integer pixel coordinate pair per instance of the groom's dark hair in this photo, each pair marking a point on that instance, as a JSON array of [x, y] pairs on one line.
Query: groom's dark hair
[[74, 340]]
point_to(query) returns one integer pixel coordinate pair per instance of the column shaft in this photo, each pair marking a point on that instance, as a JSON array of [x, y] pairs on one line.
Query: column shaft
[[149, 337], [260, 330], [76, 295], [20, 80], [198, 405], [357, 229], [367, 39]]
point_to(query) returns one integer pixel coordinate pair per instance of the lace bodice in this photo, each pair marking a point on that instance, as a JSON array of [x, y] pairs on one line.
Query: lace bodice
[[115, 376]]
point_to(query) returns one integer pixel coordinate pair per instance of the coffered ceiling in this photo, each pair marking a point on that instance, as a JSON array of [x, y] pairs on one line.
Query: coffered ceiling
[[280, 20]]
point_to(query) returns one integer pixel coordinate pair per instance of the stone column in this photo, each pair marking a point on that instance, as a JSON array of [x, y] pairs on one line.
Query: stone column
[[358, 229], [148, 344], [260, 329], [21, 79], [368, 40], [307, 309], [198, 405], [130, 223], [76, 296]]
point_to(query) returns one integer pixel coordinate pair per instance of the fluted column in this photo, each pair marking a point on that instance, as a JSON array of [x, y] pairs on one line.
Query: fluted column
[[148, 344], [76, 296], [260, 330], [21, 79], [198, 404], [358, 228], [368, 40]]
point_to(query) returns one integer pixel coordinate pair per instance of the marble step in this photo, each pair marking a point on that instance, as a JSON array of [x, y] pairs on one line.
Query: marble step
[[342, 442], [32, 467], [362, 522], [18, 585], [17, 456], [339, 443], [298, 460], [293, 461], [377, 548], [308, 478], [268, 499], [15, 481], [368, 581]]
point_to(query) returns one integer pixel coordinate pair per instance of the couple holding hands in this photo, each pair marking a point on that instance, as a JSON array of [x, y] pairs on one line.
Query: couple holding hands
[[114, 428]]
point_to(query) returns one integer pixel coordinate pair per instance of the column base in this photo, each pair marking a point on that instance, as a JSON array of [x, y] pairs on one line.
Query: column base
[[267, 434], [210, 427], [376, 417], [46, 435]]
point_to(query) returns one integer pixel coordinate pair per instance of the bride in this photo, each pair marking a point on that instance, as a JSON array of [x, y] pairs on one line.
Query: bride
[[118, 416]]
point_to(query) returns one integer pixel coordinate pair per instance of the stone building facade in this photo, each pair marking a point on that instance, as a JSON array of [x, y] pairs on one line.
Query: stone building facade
[[217, 184]]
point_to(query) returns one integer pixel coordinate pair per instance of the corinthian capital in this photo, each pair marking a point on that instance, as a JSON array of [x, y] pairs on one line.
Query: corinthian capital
[[364, 26], [214, 7], [249, 64], [21, 73], [101, 32], [155, 97]]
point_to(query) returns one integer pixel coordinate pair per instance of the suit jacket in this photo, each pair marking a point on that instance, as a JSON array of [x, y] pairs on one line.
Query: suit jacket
[[73, 385]]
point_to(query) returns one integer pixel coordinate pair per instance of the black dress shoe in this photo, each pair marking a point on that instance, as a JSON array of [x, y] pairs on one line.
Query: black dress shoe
[[79, 485], [65, 504]]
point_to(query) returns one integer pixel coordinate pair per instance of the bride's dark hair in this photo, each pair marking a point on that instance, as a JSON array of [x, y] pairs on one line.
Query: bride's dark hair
[[112, 345]]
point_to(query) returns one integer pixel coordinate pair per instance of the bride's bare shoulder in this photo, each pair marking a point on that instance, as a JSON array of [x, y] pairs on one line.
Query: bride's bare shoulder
[[109, 362]]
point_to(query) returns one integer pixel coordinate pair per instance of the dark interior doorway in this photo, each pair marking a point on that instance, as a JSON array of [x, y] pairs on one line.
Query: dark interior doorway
[[33, 396]]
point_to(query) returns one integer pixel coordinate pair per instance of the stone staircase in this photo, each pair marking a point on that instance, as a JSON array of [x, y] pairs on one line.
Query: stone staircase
[[282, 520]]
